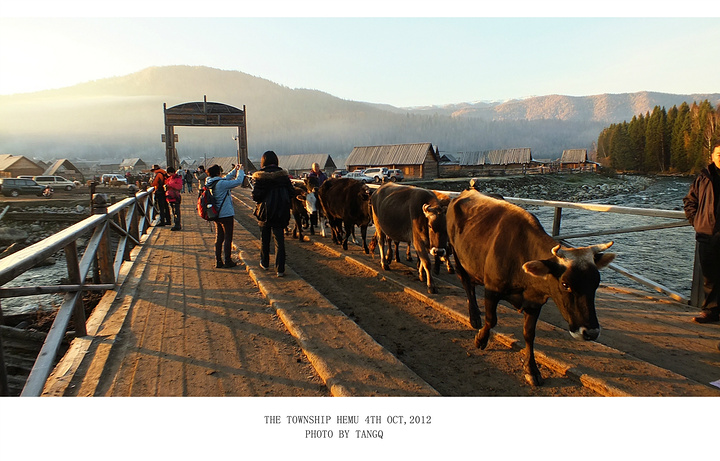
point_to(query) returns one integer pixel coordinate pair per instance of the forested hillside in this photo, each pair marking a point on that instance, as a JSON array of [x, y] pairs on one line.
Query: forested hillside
[[678, 140]]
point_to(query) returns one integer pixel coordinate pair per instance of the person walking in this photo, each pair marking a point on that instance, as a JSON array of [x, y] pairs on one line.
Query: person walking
[[201, 176], [189, 179], [158, 182], [173, 188], [181, 173], [273, 191], [317, 173], [221, 187], [702, 209]]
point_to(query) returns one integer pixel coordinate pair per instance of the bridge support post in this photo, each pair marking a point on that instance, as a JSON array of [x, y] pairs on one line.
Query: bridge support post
[[556, 221], [697, 293], [104, 255], [73, 267], [4, 386]]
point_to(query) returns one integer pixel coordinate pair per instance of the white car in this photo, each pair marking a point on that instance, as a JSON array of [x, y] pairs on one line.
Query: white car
[[56, 182], [113, 178], [359, 176], [378, 174]]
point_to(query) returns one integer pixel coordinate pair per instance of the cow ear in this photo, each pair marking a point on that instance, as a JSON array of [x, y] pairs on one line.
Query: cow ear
[[536, 268], [603, 259]]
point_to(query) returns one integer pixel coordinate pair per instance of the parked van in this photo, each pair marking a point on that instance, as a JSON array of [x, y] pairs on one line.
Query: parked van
[[56, 182]]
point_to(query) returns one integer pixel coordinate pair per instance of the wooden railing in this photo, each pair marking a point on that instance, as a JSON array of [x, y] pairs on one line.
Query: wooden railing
[[96, 270]]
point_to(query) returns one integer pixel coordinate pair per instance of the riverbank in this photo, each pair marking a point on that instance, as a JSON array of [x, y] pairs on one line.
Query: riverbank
[[579, 187]]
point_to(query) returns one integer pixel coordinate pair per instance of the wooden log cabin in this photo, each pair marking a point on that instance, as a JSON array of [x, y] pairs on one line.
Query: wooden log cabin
[[417, 161]]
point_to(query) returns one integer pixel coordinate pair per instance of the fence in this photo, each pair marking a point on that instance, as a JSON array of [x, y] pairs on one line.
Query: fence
[[129, 219]]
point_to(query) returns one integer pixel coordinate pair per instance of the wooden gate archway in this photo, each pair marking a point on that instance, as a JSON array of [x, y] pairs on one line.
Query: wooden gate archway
[[213, 114]]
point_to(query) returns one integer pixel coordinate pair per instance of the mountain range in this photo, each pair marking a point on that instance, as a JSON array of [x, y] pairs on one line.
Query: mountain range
[[121, 117]]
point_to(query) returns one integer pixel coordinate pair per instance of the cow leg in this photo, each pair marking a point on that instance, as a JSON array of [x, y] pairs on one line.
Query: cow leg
[[384, 262], [408, 254], [436, 266], [532, 373], [425, 269], [448, 261], [397, 251], [469, 286], [491, 301], [363, 235], [348, 231]]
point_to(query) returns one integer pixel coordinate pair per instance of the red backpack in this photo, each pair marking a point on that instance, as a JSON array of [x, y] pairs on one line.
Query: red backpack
[[207, 208]]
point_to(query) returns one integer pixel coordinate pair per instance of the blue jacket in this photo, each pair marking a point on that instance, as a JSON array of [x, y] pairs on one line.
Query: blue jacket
[[222, 190]]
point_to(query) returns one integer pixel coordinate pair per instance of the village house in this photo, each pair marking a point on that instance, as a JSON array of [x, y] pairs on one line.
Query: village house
[[18, 165], [576, 160], [494, 162], [66, 169], [133, 165], [301, 164], [226, 164], [417, 161]]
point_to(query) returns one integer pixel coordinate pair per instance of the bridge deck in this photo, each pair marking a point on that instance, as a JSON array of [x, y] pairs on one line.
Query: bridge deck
[[177, 326]]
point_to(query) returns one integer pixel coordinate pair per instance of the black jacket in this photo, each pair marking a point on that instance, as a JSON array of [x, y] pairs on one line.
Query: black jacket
[[273, 191], [702, 203]]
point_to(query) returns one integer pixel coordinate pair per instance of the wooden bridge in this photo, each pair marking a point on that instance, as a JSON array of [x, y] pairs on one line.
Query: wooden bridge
[[177, 326]]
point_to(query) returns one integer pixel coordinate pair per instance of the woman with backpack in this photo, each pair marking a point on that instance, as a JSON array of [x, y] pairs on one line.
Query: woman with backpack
[[220, 188], [273, 192]]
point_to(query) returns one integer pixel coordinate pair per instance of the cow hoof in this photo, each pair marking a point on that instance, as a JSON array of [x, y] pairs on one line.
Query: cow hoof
[[451, 271], [534, 380], [386, 267], [432, 290], [367, 251], [481, 339]]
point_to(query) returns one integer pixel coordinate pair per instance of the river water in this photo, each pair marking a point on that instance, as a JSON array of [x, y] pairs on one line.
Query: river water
[[665, 256]]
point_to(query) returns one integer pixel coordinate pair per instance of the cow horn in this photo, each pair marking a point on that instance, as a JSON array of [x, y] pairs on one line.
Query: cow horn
[[599, 248], [556, 250]]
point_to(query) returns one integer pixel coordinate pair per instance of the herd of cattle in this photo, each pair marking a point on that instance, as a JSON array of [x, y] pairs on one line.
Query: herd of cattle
[[493, 242]]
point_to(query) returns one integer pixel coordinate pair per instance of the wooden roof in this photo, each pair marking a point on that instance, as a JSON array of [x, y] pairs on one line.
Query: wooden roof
[[133, 162], [300, 162], [226, 163], [497, 157], [62, 166], [574, 156], [393, 154], [7, 161]]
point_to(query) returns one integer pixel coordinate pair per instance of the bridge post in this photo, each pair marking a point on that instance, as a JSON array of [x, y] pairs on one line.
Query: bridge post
[[104, 254], [697, 293], [73, 268], [4, 386], [556, 221]]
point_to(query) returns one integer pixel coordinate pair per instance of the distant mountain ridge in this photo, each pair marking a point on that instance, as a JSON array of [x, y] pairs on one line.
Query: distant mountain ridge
[[121, 117], [606, 108]]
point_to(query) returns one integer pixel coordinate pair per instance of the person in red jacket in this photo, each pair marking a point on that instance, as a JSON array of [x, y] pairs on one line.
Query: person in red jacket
[[702, 209], [158, 183], [173, 189]]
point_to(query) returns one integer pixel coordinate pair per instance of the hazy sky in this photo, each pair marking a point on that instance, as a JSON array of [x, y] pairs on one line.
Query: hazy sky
[[403, 61]]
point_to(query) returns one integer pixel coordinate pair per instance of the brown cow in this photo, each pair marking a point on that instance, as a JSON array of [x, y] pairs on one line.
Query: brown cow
[[410, 214], [346, 201], [444, 200], [503, 247]]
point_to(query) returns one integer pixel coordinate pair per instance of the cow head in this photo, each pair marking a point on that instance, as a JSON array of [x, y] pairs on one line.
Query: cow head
[[572, 277], [437, 228]]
